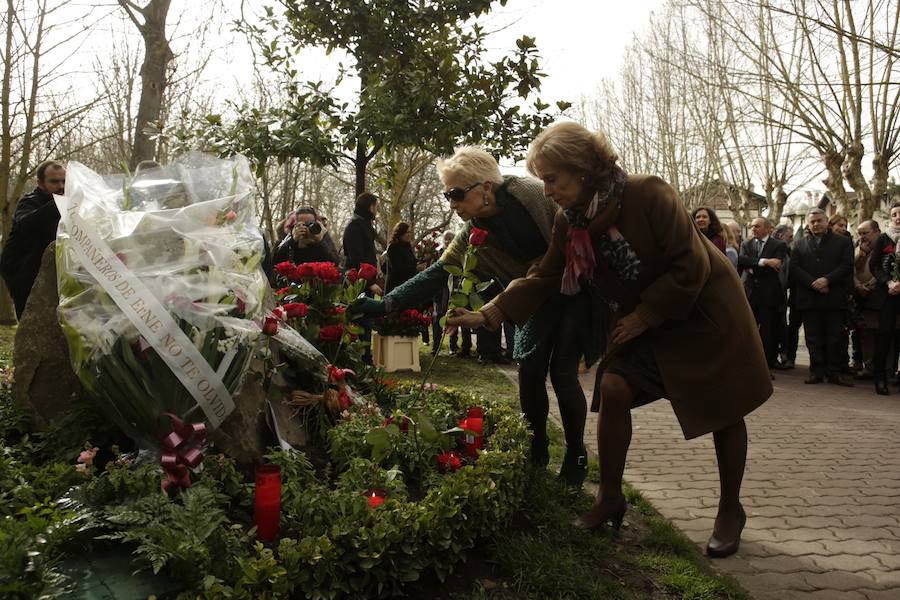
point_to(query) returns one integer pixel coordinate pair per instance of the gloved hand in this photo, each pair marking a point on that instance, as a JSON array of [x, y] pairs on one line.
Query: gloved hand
[[366, 307]]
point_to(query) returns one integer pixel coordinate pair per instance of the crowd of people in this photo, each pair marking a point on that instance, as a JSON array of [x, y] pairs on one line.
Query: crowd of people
[[841, 292]]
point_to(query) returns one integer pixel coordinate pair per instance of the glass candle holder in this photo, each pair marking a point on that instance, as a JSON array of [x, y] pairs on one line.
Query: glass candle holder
[[267, 503]]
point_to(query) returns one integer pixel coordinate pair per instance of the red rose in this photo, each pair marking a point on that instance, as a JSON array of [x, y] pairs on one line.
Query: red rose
[[331, 333], [286, 269], [889, 249], [278, 313], [270, 326], [338, 310], [230, 216], [477, 236], [283, 291], [352, 275], [449, 461], [368, 272], [327, 272], [296, 309]]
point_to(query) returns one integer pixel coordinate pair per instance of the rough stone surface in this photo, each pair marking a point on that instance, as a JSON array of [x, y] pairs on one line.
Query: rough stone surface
[[44, 380], [244, 436]]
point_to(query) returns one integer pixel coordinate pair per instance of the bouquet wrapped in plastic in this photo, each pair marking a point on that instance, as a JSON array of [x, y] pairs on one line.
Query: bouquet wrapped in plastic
[[162, 293]]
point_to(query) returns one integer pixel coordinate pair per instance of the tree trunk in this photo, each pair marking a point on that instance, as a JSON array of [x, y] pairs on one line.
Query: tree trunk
[[879, 183], [853, 174], [157, 56], [7, 314], [778, 201], [835, 179]]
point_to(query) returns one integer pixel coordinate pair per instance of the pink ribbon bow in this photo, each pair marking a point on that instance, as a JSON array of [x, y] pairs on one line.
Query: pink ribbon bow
[[181, 451]]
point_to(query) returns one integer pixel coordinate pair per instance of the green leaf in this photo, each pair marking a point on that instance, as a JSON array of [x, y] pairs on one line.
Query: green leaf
[[453, 269], [484, 285], [476, 301], [380, 441], [467, 286], [459, 300], [471, 263]]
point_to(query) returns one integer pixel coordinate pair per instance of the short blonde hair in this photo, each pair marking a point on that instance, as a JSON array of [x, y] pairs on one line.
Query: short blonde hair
[[730, 240], [572, 147], [470, 164]]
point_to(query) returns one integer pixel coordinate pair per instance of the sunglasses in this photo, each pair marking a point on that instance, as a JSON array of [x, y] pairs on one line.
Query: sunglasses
[[456, 194]]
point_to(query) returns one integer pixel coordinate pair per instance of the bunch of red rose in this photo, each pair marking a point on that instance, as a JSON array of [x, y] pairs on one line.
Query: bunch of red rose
[[326, 272], [407, 323], [366, 272]]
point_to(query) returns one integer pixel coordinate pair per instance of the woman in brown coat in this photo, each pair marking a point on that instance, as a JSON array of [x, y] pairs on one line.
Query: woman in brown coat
[[631, 239]]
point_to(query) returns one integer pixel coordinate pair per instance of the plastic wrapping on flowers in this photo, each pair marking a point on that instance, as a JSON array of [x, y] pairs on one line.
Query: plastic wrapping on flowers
[[161, 289]]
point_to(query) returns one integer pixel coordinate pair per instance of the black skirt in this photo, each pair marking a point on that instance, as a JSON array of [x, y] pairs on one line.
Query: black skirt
[[636, 363]]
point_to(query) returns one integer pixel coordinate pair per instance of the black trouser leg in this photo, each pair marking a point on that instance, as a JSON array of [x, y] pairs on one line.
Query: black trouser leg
[[835, 342], [814, 326], [767, 321], [564, 377], [488, 343], [793, 332], [887, 318], [534, 400], [466, 342], [856, 342], [781, 331]]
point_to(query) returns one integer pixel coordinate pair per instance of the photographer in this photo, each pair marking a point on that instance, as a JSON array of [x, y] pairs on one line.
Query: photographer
[[306, 239]]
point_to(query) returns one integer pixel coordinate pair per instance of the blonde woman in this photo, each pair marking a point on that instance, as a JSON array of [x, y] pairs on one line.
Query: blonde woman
[[519, 220], [731, 245]]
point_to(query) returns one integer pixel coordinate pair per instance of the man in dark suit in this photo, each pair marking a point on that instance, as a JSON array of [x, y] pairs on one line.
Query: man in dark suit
[[33, 228], [822, 271], [762, 257]]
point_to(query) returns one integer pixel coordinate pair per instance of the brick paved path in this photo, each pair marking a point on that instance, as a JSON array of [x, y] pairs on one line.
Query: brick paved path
[[821, 491]]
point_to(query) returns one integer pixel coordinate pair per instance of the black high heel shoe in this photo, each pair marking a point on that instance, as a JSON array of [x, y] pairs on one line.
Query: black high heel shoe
[[720, 548], [599, 516], [881, 387], [574, 467]]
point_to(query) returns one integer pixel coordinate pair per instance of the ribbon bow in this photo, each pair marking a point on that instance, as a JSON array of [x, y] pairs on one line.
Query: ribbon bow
[[181, 451], [338, 378]]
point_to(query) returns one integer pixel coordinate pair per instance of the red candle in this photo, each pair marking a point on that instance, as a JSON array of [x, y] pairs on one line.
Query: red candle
[[375, 498], [475, 412], [474, 427], [267, 502]]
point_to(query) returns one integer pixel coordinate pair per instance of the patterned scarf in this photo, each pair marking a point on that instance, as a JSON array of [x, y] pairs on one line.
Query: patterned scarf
[[893, 233], [614, 249]]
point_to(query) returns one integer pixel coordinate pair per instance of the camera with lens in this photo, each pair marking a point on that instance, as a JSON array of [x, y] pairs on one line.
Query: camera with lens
[[314, 228]]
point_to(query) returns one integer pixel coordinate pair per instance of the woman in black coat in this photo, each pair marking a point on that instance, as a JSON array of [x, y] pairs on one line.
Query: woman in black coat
[[401, 260]]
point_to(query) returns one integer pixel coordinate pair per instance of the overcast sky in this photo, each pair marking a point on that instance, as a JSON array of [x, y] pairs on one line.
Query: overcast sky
[[580, 41]]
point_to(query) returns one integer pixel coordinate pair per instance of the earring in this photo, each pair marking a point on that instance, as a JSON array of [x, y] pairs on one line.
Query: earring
[[485, 200]]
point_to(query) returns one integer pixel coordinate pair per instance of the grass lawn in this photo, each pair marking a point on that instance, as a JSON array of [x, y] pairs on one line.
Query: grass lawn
[[541, 556]]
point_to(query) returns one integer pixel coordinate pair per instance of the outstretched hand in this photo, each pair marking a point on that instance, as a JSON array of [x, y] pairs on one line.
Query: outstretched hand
[[460, 317], [366, 307]]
